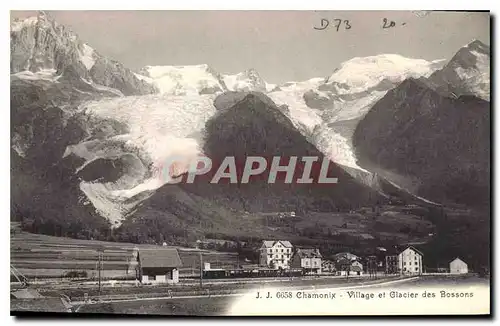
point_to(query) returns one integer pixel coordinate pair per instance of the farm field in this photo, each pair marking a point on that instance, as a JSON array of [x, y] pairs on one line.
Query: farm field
[[182, 306], [41, 256]]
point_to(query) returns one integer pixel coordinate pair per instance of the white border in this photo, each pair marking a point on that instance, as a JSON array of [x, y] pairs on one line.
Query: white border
[[193, 5]]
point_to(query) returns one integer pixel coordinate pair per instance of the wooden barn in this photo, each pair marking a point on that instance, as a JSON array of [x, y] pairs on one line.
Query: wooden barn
[[158, 265]]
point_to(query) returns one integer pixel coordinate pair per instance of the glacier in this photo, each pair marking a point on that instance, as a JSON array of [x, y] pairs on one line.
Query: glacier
[[158, 127]]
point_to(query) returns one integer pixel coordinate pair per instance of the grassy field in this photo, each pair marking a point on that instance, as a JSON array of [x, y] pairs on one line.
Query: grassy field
[[42, 256], [182, 307]]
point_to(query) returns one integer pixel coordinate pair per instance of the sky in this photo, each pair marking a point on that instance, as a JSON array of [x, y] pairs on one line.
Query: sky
[[281, 45]]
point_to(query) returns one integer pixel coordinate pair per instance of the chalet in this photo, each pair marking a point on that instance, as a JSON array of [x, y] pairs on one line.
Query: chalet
[[275, 254], [158, 265], [328, 266], [410, 261], [307, 259], [343, 266], [349, 267], [458, 266]]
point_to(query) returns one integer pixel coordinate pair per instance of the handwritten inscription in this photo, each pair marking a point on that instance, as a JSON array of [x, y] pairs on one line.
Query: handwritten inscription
[[345, 24], [337, 24], [387, 24]]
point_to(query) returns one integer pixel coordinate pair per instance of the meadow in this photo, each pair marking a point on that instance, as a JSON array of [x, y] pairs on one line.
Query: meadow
[[40, 256]]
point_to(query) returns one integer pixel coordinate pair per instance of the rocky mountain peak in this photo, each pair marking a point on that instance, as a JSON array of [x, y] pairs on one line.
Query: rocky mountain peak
[[40, 44], [467, 73]]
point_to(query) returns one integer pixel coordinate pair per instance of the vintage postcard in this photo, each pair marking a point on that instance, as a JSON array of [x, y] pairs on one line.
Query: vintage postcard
[[250, 163]]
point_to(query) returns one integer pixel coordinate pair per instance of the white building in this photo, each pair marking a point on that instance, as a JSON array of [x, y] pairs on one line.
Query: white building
[[458, 266], [410, 261], [275, 254]]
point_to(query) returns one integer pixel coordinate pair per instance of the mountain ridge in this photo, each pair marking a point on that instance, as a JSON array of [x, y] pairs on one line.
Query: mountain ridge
[[41, 44]]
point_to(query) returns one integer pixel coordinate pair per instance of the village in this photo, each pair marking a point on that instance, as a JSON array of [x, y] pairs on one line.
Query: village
[[67, 275], [279, 258]]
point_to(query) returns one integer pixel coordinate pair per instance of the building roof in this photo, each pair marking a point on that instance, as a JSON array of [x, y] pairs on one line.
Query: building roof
[[356, 269], [161, 257], [458, 259], [271, 243], [345, 255], [343, 262], [308, 253], [414, 249]]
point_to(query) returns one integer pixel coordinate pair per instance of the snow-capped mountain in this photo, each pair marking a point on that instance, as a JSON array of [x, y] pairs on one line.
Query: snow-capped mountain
[[351, 89], [431, 135], [43, 49], [201, 79], [362, 73], [327, 110], [467, 73], [247, 81], [360, 82], [98, 134], [183, 80]]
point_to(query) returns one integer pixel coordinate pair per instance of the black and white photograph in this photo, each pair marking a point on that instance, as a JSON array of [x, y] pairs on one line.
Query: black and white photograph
[[250, 163]]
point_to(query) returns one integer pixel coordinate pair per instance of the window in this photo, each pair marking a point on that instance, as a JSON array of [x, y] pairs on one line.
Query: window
[[404, 264], [409, 263], [416, 269], [281, 250], [151, 277]]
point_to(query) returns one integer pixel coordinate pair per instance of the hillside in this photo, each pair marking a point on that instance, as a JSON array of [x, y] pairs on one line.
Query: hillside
[[440, 146]]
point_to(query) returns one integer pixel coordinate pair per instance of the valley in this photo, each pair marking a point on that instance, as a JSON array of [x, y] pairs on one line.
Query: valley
[[407, 138]]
